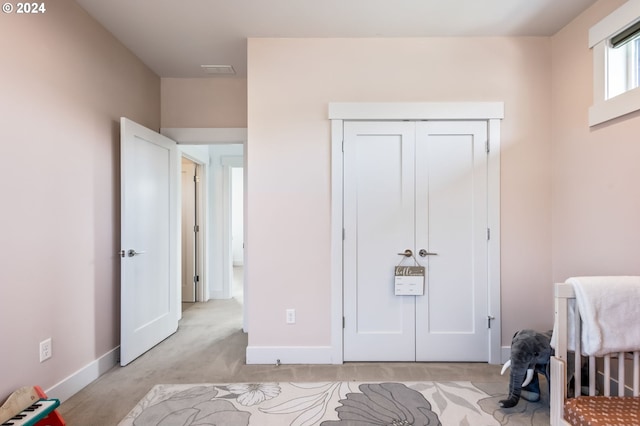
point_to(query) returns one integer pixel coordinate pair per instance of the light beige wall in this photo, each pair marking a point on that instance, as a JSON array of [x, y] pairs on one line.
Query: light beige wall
[[596, 191], [65, 82], [291, 82], [204, 102]]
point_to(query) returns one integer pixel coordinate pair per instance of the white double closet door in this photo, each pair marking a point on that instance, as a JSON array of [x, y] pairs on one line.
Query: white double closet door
[[418, 186]]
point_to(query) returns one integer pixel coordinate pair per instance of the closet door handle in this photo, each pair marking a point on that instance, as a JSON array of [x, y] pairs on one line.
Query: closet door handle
[[424, 253], [407, 253]]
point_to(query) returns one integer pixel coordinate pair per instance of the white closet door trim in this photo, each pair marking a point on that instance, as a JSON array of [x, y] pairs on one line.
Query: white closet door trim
[[416, 110], [493, 206], [337, 226], [339, 112], [206, 135]]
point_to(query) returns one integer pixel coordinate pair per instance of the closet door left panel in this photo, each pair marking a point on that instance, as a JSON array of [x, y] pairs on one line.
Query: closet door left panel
[[379, 188]]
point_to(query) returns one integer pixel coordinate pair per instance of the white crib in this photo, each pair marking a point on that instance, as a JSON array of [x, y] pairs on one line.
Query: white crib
[[614, 379]]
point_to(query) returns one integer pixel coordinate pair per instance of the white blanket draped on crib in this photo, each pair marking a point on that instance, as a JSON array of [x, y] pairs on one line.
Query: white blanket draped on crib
[[610, 312]]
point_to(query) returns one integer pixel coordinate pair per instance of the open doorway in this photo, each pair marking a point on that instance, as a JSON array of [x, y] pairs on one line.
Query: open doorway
[[217, 151], [227, 204]]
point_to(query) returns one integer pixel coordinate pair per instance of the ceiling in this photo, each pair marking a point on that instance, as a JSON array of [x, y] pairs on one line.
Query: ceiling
[[175, 37]]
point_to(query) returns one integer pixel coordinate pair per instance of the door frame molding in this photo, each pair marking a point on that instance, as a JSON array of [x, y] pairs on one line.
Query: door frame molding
[[338, 113]]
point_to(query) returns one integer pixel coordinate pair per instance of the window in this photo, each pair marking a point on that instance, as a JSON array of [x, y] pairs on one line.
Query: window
[[622, 62], [615, 42]]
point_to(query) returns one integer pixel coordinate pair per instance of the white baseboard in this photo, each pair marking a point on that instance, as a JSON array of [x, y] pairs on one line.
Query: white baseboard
[[73, 384], [218, 294], [291, 355], [311, 355]]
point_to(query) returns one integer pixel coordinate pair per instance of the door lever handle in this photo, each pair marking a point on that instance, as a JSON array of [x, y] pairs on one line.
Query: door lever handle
[[132, 252], [424, 253], [407, 253]]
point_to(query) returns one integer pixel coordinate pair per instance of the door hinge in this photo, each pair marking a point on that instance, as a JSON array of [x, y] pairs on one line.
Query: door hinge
[[342, 145], [343, 322], [343, 234], [488, 234], [196, 228], [196, 179], [487, 145]]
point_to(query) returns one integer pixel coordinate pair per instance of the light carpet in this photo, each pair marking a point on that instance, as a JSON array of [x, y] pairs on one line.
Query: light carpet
[[332, 404]]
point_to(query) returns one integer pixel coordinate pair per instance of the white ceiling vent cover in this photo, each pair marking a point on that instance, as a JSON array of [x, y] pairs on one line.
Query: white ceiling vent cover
[[218, 69]]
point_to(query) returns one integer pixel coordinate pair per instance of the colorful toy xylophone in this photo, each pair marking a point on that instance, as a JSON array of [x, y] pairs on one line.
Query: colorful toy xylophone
[[29, 406]]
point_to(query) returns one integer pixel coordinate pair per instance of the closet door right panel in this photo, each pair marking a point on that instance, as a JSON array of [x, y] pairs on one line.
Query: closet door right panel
[[451, 232]]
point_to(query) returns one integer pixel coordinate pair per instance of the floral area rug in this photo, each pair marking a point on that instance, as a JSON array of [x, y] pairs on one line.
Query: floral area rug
[[326, 404]]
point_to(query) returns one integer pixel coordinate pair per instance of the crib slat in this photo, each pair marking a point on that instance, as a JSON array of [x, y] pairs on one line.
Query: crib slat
[[607, 375], [592, 375], [577, 369], [636, 373], [621, 375]]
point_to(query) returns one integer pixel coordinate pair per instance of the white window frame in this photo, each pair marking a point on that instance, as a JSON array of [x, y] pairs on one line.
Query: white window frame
[[604, 109]]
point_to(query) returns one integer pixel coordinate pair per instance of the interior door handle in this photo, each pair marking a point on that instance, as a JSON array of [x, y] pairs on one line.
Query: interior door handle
[[424, 253], [407, 253], [132, 253]]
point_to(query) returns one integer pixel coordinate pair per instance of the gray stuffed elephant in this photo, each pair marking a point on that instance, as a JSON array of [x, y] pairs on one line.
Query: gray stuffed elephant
[[530, 354]]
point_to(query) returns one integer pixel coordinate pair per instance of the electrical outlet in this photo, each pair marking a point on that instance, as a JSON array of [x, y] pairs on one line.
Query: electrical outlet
[[45, 350], [291, 316]]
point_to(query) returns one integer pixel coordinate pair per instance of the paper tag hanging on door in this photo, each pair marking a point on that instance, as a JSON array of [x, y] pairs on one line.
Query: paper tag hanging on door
[[409, 280]]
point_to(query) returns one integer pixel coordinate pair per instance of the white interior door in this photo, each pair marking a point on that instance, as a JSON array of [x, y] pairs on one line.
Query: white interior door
[[379, 223], [149, 220], [417, 186], [451, 220]]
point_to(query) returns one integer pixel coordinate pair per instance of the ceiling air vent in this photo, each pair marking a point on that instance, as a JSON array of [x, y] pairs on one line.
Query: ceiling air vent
[[218, 69]]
